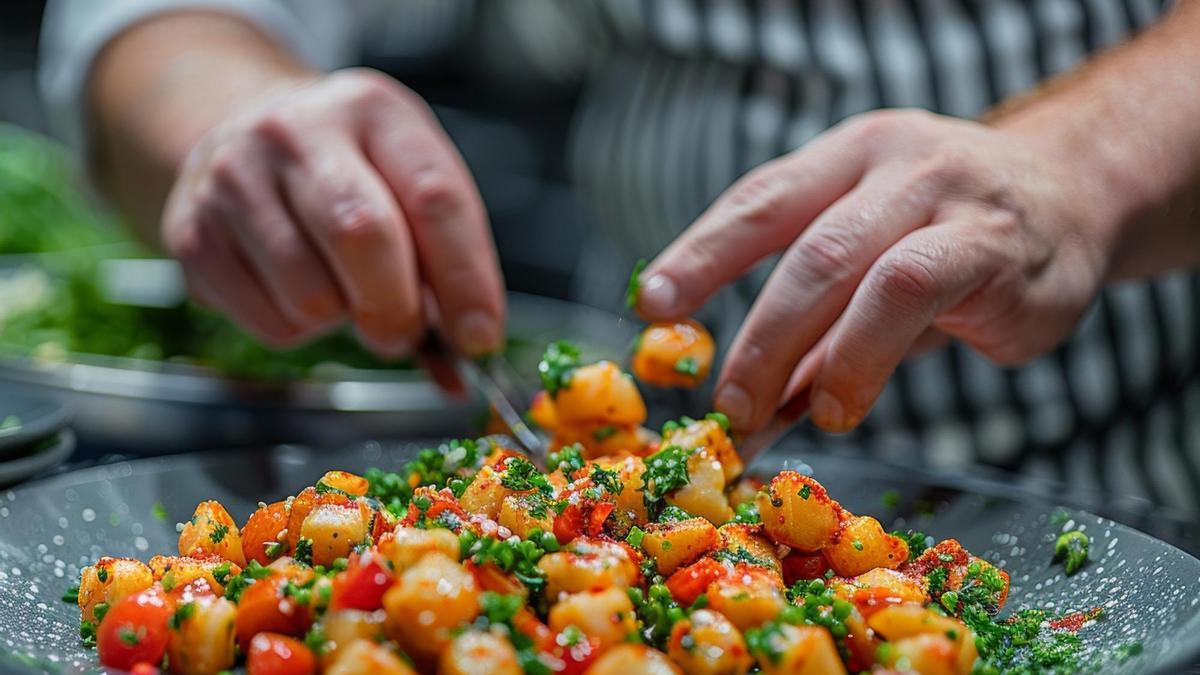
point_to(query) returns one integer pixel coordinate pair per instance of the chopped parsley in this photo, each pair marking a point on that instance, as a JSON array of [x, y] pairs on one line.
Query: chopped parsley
[[509, 555], [917, 541], [241, 581], [521, 475], [720, 418], [1071, 549], [102, 575], [315, 640], [857, 544], [569, 459], [666, 471], [634, 287], [657, 613], [221, 572], [273, 548], [130, 636], [741, 555], [438, 467], [71, 595], [558, 363], [746, 512], [604, 433], [608, 479], [159, 511], [99, 610], [805, 492], [687, 365], [325, 488], [635, 536], [218, 534], [184, 612], [890, 499], [673, 514]]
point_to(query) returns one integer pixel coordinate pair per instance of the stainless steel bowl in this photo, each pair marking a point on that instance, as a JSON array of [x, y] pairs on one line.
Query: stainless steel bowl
[[137, 406]]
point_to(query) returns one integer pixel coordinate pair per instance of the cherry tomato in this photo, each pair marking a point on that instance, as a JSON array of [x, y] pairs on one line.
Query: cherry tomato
[[804, 567], [580, 518], [275, 654], [135, 630], [265, 608], [362, 584], [688, 583]]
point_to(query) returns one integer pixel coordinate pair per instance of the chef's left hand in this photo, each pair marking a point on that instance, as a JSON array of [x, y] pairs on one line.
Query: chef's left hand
[[897, 228]]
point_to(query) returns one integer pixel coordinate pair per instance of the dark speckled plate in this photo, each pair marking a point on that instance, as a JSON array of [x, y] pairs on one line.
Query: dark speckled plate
[[1151, 590]]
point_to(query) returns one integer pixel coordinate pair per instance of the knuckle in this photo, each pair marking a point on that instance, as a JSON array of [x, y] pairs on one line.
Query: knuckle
[[277, 129], [946, 169], [908, 280], [434, 197], [358, 227], [827, 253], [759, 200]]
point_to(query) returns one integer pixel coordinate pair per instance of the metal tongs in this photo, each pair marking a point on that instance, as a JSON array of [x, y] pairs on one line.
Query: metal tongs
[[495, 378]]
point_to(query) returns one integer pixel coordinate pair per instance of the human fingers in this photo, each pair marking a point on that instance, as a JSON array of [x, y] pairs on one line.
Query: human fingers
[[447, 221], [810, 287], [219, 277], [761, 214], [927, 273], [346, 208], [244, 190]]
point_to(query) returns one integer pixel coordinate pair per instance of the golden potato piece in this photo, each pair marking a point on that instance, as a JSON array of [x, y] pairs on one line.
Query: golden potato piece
[[749, 598], [477, 652], [211, 531], [707, 643], [335, 529], [704, 494], [366, 657], [673, 354], [108, 581], [673, 545], [523, 513], [797, 511], [204, 641], [342, 627], [606, 615], [406, 545], [178, 571], [632, 659], [745, 542], [801, 650], [600, 394], [862, 545], [430, 599], [351, 484]]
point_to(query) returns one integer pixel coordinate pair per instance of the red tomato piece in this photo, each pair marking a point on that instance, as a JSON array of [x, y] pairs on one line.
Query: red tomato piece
[[690, 582], [804, 567], [135, 630], [580, 518], [274, 654], [362, 584], [528, 624]]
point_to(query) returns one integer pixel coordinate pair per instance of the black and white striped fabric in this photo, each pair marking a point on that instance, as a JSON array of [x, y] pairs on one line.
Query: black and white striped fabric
[[693, 93]]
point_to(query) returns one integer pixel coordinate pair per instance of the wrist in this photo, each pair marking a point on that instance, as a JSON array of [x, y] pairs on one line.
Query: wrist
[[1103, 186]]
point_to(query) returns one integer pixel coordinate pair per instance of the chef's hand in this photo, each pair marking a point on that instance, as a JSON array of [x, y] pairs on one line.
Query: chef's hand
[[896, 228], [337, 197]]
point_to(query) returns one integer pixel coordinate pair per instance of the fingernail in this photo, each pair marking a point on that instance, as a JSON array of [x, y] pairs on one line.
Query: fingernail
[[658, 295], [477, 332], [827, 412], [736, 404], [389, 349]]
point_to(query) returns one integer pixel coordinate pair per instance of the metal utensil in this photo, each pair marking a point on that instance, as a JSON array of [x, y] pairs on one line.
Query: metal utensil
[[496, 379]]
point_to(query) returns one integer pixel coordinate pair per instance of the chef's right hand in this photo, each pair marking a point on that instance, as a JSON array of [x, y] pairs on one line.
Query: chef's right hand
[[339, 197]]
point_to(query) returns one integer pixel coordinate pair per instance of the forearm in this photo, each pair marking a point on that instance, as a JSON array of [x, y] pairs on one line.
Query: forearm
[[1130, 121], [162, 84]]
